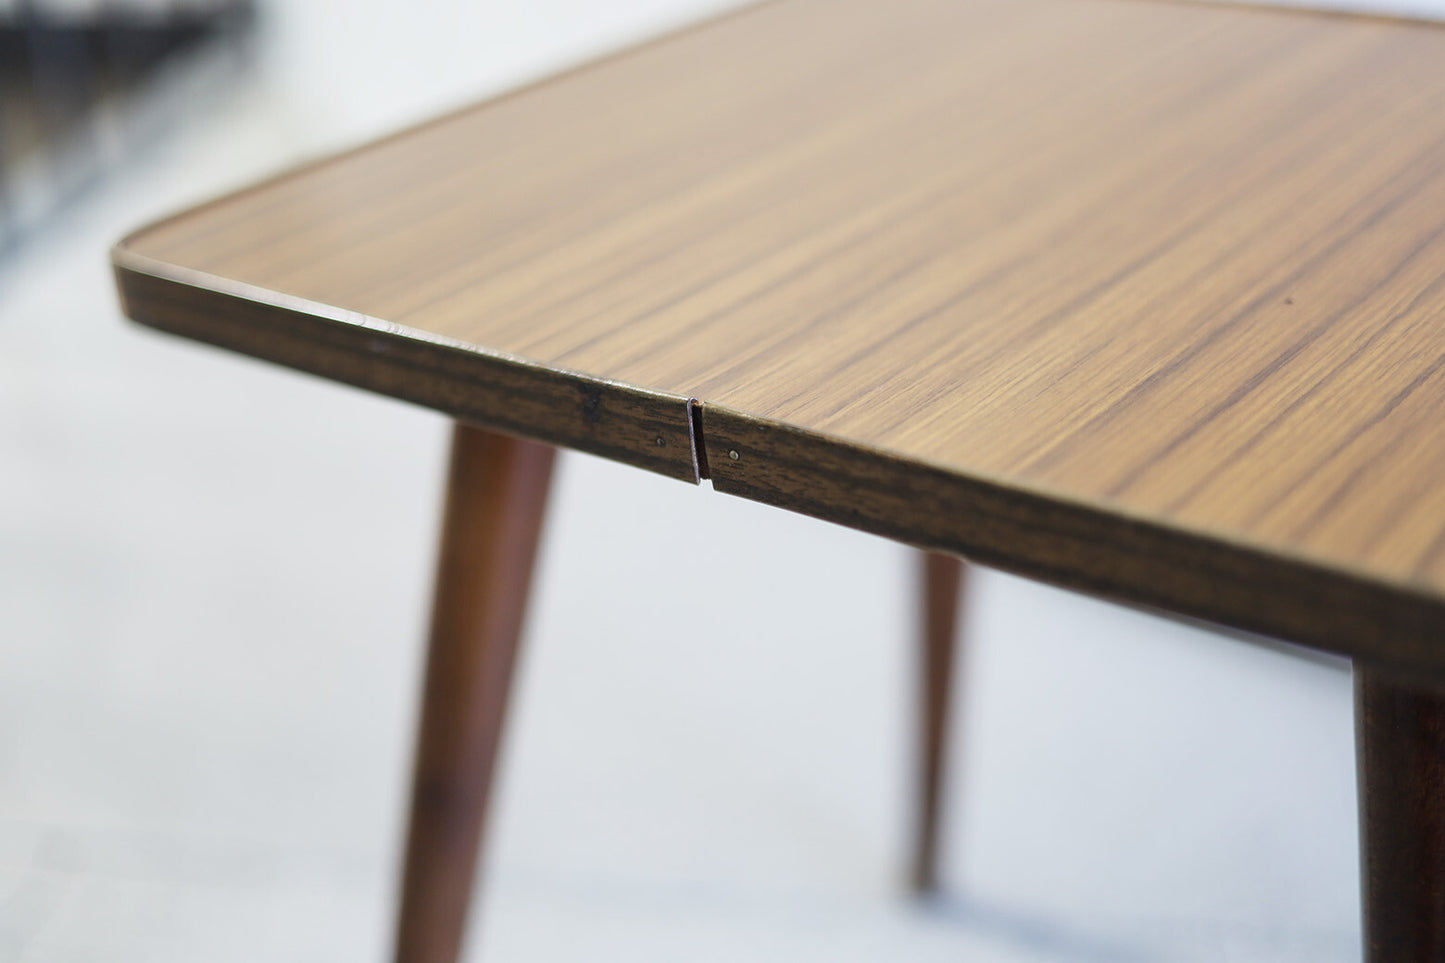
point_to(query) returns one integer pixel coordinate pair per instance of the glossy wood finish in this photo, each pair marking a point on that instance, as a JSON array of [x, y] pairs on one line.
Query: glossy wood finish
[[941, 580], [1159, 280], [1082, 547], [496, 496], [649, 429], [1400, 737]]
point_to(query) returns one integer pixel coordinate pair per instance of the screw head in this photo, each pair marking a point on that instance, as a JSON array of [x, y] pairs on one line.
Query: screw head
[[733, 454], [661, 441]]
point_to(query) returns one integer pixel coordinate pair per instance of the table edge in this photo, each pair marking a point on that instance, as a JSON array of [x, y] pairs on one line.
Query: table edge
[[640, 427], [1051, 537], [1096, 549]]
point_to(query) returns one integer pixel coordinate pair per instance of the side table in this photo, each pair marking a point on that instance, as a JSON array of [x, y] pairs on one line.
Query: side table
[[1137, 297]]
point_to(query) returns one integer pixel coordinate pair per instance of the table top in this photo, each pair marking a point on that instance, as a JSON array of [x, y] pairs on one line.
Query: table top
[[1141, 297]]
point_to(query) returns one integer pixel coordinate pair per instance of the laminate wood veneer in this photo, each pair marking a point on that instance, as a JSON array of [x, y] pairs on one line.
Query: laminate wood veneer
[[1143, 298]]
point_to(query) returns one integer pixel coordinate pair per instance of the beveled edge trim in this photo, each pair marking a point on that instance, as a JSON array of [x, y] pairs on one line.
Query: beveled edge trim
[[1066, 542], [570, 409], [1387, 18]]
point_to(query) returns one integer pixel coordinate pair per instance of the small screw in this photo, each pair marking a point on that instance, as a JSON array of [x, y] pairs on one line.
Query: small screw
[[661, 441], [733, 454]]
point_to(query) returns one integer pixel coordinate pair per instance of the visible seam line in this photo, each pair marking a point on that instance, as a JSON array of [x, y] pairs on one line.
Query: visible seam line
[[699, 450]]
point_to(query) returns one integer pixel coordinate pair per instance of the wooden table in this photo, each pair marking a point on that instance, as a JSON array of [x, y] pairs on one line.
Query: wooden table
[[1137, 297]]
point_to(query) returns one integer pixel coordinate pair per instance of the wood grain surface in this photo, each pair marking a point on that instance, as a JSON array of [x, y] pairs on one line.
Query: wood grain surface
[[1146, 298]]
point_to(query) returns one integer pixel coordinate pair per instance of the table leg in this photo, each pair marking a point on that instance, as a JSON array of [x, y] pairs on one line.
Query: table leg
[[942, 584], [496, 496], [1400, 743]]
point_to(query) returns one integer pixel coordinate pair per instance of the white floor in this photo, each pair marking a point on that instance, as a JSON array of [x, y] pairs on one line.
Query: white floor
[[212, 586]]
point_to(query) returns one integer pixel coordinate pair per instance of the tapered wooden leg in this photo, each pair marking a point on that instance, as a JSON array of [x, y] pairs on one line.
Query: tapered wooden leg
[[1400, 743], [496, 495], [942, 583]]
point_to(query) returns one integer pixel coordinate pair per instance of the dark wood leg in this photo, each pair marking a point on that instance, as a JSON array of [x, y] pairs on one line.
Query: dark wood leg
[[496, 495], [1400, 743], [942, 584]]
